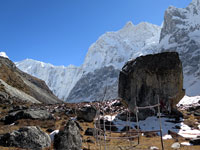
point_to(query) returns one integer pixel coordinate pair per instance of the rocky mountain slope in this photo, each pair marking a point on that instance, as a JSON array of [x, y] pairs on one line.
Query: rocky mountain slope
[[180, 32], [17, 85]]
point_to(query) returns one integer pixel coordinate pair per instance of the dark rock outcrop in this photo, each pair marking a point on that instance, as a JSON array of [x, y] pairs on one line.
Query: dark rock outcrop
[[86, 113], [27, 114], [27, 137], [146, 78], [69, 138]]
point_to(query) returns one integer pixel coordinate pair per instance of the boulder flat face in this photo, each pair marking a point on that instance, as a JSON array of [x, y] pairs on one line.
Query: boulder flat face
[[146, 78]]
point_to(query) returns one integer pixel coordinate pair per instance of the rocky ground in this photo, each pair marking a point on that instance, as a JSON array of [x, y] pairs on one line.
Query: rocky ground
[[38, 123]]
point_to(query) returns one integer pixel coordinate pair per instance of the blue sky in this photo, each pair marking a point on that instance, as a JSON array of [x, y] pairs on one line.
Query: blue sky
[[60, 31]]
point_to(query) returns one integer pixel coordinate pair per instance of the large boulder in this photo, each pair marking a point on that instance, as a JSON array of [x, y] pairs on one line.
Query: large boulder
[[69, 138], [26, 137], [143, 80]]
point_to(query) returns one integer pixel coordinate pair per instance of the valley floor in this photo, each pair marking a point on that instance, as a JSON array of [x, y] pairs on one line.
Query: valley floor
[[187, 127]]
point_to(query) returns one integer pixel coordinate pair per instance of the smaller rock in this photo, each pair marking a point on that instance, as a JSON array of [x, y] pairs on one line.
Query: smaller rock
[[153, 148], [27, 114], [89, 141], [176, 145], [69, 138], [150, 134], [195, 141], [86, 113], [50, 130], [173, 134], [90, 131]]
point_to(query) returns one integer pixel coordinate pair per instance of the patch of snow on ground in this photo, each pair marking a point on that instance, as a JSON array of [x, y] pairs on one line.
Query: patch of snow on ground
[[187, 132], [109, 117], [167, 136], [186, 144], [187, 101], [152, 123]]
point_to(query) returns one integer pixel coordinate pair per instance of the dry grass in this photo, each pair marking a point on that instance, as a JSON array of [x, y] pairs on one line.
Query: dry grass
[[89, 142]]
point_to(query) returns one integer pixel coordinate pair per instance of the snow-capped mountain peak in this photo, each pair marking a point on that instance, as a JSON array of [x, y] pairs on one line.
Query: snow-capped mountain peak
[[115, 48], [181, 33], [3, 54]]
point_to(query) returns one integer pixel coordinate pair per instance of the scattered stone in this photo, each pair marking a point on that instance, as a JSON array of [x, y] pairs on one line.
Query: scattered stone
[[17, 108], [173, 134], [27, 114], [150, 134], [195, 141], [90, 132], [153, 148], [86, 113], [50, 130], [89, 141], [31, 137], [177, 127], [176, 145], [69, 138]]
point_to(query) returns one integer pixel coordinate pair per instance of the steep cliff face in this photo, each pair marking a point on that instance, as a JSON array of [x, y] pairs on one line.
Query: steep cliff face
[[16, 84], [95, 86], [146, 78], [181, 33]]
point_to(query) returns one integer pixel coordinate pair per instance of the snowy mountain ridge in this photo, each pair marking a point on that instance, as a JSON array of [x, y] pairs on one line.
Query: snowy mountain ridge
[[180, 32], [59, 78], [111, 49], [115, 48]]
